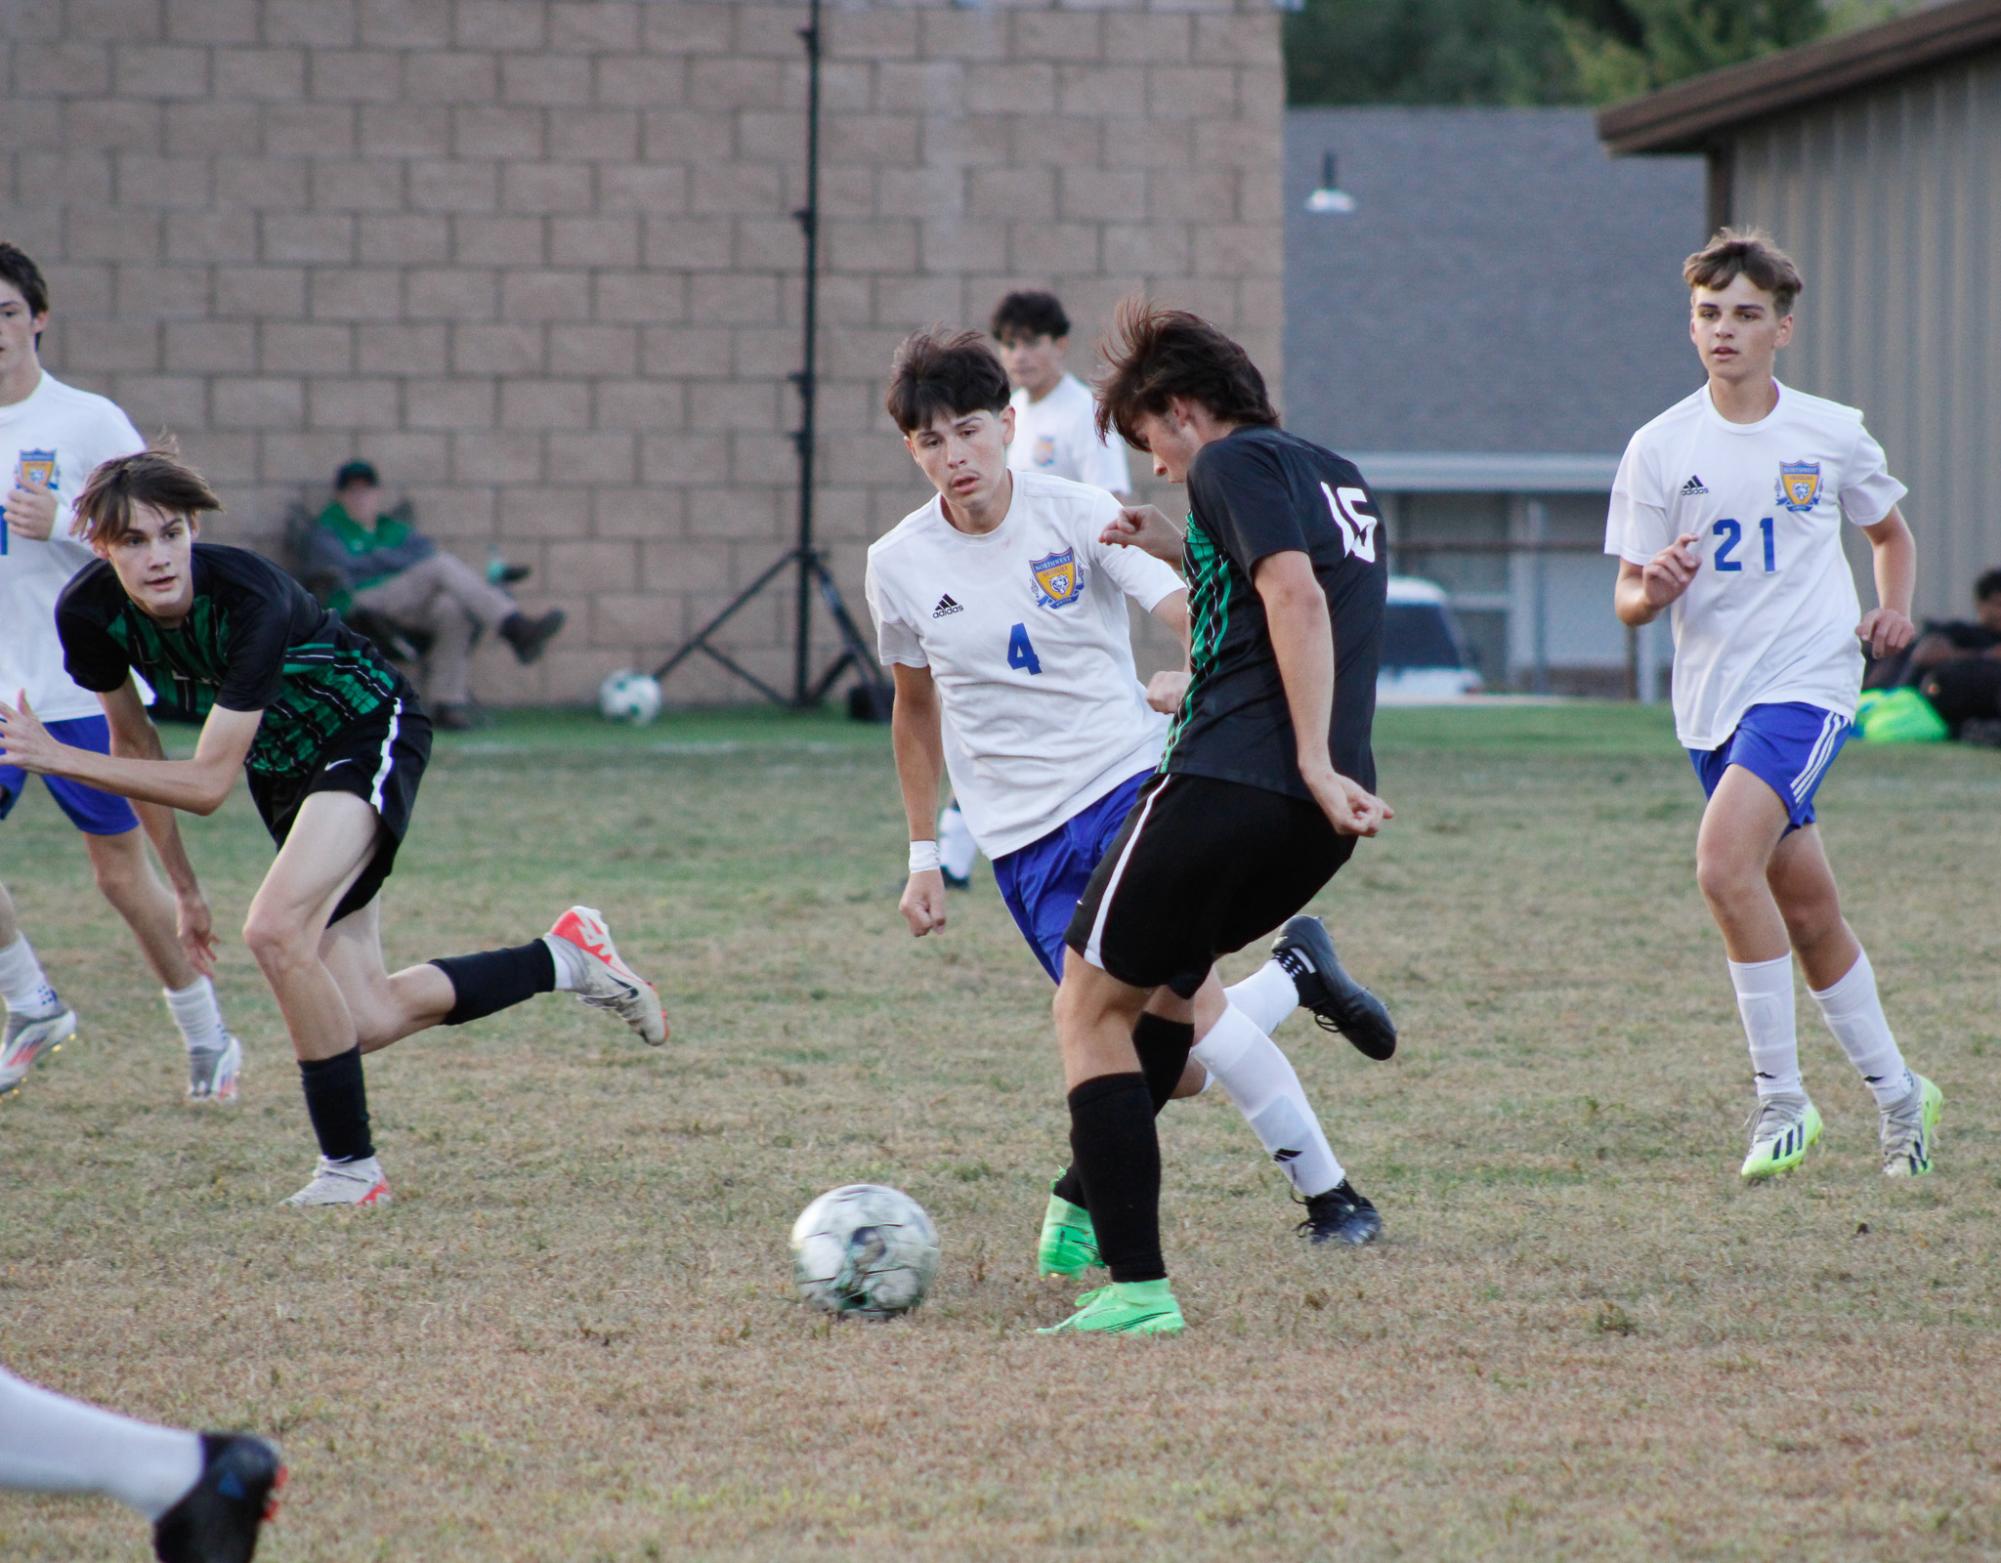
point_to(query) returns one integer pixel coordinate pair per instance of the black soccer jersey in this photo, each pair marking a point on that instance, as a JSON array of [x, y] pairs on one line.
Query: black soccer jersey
[[1257, 492], [254, 640]]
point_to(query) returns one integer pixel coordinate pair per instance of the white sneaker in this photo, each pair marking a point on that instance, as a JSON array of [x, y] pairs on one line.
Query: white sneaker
[[26, 1039], [345, 1183], [609, 983], [1782, 1128], [213, 1071]]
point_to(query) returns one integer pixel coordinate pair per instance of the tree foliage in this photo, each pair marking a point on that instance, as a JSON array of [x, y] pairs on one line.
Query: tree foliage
[[1520, 52]]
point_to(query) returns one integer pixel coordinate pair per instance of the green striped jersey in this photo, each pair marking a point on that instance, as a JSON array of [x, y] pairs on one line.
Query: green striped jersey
[[253, 640]]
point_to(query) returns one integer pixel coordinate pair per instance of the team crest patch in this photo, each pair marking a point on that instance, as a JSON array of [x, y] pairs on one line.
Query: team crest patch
[[37, 466], [1799, 484], [1044, 453], [1058, 582]]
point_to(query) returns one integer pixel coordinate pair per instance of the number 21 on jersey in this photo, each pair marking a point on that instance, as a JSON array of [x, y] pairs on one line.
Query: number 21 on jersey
[[1730, 533], [1020, 654]]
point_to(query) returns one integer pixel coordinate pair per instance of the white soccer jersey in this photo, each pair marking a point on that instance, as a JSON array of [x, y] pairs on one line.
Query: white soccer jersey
[[1059, 436], [1771, 613], [1024, 630], [59, 435]]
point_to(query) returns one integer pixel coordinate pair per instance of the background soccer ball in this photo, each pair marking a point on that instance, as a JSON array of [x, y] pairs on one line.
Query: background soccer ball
[[864, 1249], [626, 696]]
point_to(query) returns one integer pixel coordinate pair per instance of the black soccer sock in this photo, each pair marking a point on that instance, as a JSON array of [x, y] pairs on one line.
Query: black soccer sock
[[337, 1102], [1163, 1047], [494, 980], [1113, 1140]]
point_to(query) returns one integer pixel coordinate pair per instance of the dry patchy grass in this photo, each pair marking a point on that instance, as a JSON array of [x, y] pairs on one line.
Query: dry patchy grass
[[573, 1336]]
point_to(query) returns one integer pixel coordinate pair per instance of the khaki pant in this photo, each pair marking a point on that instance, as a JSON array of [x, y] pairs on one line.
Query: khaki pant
[[448, 600]]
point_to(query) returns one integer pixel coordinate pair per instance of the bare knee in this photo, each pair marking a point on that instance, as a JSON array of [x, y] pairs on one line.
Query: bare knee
[[119, 867], [1725, 879], [278, 942]]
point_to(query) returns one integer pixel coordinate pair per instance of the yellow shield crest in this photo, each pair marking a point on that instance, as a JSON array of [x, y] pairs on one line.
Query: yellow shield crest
[[37, 466], [1057, 582], [1799, 484]]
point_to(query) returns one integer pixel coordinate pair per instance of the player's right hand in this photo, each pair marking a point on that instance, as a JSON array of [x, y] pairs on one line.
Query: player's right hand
[[31, 510], [923, 903], [1667, 575], [1166, 689], [1350, 807]]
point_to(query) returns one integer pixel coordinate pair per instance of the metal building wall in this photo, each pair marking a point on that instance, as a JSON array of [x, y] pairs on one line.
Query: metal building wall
[[1890, 199]]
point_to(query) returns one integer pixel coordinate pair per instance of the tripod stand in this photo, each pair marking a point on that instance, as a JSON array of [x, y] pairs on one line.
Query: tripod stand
[[810, 563]]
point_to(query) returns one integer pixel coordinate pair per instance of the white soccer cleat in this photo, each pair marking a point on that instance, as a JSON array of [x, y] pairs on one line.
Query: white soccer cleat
[[608, 983], [27, 1039], [345, 1183], [213, 1071], [1909, 1129], [1782, 1128]]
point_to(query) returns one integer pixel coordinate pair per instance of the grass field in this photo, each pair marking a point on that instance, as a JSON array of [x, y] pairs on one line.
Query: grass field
[[573, 1336]]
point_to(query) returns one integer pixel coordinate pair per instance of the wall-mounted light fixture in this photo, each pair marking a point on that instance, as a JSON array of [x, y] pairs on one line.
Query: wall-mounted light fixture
[[1330, 197]]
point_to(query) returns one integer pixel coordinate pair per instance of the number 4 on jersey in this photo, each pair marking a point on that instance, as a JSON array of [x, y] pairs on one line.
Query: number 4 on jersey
[[1020, 654]]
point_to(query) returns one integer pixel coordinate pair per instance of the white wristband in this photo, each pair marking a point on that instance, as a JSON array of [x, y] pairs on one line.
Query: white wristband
[[923, 856]]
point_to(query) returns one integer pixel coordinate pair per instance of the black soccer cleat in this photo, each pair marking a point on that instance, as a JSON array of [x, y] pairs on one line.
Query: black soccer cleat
[[218, 1520], [1338, 1001], [1340, 1216]]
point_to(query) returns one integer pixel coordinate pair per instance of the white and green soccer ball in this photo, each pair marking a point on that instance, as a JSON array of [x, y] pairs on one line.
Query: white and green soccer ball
[[626, 696], [864, 1250]]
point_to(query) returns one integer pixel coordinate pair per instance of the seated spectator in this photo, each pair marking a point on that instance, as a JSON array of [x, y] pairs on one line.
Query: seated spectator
[[1954, 640], [359, 558]]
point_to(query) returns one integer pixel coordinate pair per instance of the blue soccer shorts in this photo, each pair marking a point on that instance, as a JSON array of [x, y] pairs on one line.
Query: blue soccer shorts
[[1787, 746], [93, 812], [1041, 882]]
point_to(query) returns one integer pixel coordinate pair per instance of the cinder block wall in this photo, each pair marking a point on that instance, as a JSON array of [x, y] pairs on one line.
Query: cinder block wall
[[535, 258]]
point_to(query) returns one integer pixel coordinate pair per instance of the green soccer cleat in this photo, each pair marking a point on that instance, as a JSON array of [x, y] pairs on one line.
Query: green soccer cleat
[[1069, 1243], [1908, 1128], [1782, 1127], [1124, 1308]]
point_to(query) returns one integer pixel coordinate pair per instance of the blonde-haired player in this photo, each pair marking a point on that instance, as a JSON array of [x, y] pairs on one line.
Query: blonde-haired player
[[1727, 513]]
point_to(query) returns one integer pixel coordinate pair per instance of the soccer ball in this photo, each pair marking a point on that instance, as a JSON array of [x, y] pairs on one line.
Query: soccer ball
[[865, 1250], [626, 696]]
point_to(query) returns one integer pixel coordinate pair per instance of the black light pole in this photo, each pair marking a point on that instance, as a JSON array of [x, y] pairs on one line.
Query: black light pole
[[809, 225], [807, 691]]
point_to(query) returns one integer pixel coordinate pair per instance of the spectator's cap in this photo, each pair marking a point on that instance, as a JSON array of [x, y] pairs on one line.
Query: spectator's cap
[[356, 472]]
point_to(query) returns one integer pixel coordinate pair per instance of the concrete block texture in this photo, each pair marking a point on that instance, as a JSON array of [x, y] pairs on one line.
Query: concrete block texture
[[541, 260]]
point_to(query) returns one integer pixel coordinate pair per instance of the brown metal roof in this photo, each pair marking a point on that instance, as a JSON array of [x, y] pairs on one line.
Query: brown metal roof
[[1689, 116]]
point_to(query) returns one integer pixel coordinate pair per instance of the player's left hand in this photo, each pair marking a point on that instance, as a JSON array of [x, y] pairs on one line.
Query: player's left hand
[[1164, 691], [195, 930], [1146, 528], [31, 509], [1350, 807], [1884, 630], [23, 739], [923, 903]]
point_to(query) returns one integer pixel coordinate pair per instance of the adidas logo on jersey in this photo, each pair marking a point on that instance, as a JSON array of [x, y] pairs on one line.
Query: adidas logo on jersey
[[1693, 487], [946, 608]]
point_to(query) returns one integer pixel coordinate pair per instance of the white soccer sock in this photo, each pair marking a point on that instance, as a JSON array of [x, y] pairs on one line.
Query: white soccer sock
[[1266, 996], [1765, 1001], [195, 1012], [23, 984], [50, 1443], [956, 848], [1266, 1089], [569, 963], [1854, 1014]]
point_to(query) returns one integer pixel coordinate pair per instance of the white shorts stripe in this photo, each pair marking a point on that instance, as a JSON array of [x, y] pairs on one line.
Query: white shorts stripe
[[1093, 944], [1817, 759], [382, 770]]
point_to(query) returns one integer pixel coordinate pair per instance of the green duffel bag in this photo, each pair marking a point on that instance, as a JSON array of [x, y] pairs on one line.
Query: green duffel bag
[[1899, 716]]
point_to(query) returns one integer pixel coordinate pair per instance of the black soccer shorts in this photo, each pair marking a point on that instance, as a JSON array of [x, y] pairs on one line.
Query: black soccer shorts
[[380, 760], [1201, 867]]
